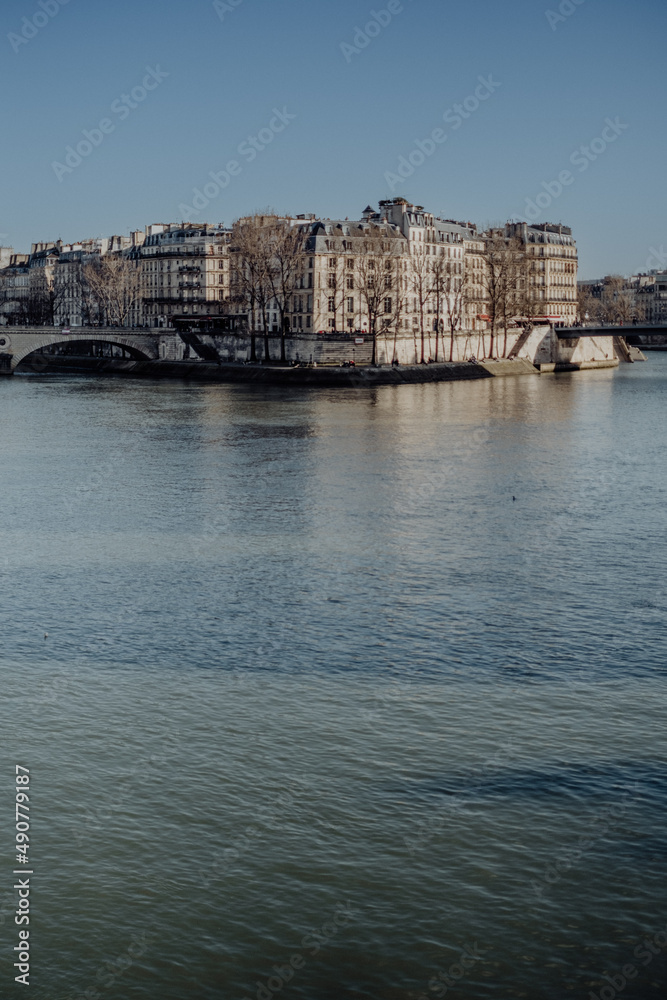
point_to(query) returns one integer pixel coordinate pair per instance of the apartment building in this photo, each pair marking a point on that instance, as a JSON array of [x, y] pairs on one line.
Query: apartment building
[[552, 260], [183, 270], [650, 295], [15, 289], [398, 269], [344, 258]]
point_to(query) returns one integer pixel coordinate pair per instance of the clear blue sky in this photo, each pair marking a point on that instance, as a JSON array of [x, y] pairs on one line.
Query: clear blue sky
[[356, 113]]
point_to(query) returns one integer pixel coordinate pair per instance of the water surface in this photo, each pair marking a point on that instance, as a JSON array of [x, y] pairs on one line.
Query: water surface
[[361, 677]]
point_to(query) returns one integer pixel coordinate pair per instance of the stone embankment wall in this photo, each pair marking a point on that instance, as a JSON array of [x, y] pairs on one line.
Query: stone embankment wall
[[541, 346], [328, 349]]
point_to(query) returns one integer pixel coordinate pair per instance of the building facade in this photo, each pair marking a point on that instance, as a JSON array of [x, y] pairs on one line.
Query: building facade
[[398, 272]]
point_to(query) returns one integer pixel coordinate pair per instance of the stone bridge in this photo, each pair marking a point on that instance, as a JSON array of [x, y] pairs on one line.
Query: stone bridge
[[18, 343]]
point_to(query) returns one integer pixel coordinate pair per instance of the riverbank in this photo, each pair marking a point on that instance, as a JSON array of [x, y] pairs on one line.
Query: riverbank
[[201, 371]]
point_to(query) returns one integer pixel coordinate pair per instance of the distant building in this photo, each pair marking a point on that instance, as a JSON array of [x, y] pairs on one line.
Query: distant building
[[15, 289], [651, 296]]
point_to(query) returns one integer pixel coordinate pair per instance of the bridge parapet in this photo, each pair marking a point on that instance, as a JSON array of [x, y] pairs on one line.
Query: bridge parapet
[[633, 330]]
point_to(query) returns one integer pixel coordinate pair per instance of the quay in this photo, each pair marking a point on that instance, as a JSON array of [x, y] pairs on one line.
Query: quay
[[275, 374], [203, 356]]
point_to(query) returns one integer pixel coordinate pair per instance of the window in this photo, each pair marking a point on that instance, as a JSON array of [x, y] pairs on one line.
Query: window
[[350, 282], [350, 265], [332, 304], [332, 324], [387, 282], [221, 264], [387, 305], [333, 261], [350, 305], [332, 281]]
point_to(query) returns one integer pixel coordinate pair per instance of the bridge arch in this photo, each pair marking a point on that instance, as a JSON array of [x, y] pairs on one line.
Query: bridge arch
[[22, 345]]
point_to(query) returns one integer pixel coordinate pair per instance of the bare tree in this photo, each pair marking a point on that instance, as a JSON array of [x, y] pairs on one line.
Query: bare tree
[[374, 254], [251, 274], [113, 282], [397, 291], [589, 306], [37, 308], [618, 301], [339, 281], [451, 287], [284, 268], [438, 290], [421, 279], [506, 283], [517, 298], [494, 281]]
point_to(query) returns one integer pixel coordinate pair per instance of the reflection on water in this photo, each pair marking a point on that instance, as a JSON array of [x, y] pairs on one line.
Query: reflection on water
[[393, 656]]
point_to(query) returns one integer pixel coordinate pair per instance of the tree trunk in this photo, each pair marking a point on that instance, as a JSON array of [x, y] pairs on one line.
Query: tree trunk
[[267, 352], [283, 337]]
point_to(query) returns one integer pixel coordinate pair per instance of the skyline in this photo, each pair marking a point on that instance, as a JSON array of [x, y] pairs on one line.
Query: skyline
[[476, 115]]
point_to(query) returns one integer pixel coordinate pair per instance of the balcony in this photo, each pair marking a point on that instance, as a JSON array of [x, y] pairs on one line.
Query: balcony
[[175, 299]]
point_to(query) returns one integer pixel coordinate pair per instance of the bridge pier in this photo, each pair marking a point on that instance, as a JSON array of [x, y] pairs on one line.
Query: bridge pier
[[6, 364]]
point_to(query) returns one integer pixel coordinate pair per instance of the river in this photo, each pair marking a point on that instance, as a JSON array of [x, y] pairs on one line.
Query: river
[[337, 693]]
